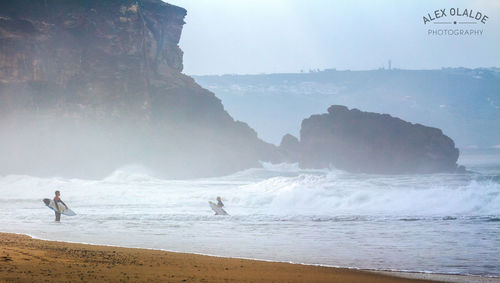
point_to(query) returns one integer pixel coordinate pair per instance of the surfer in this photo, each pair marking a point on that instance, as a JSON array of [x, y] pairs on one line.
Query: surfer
[[219, 202], [58, 200], [217, 207]]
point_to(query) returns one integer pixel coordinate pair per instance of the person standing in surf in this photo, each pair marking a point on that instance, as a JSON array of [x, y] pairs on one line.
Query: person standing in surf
[[58, 200]]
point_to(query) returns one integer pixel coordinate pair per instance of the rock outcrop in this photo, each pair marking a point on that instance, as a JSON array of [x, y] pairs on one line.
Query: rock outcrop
[[366, 142], [87, 86], [289, 148]]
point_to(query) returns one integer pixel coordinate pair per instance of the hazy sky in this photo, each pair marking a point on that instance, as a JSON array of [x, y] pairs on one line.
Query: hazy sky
[[257, 36]]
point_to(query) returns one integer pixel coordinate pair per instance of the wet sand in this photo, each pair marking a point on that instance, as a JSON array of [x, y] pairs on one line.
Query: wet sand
[[24, 259]]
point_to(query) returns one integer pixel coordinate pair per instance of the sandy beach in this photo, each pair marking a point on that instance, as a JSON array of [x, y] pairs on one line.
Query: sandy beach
[[24, 259]]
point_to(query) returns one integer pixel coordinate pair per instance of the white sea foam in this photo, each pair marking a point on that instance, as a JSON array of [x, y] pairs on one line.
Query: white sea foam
[[438, 222]]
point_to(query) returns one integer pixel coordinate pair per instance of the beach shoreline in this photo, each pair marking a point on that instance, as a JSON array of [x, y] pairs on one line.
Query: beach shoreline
[[26, 259]]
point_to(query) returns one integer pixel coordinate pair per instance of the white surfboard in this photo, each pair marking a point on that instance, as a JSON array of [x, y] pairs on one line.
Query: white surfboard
[[218, 210], [62, 209]]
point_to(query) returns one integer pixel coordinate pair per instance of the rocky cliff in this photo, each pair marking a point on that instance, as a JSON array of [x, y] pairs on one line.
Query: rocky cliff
[[367, 142], [87, 86]]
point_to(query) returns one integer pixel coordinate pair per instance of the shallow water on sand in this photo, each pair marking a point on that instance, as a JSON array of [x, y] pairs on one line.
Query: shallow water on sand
[[443, 223]]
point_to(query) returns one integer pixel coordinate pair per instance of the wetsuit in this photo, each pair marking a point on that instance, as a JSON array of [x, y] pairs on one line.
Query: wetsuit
[[57, 200], [219, 203]]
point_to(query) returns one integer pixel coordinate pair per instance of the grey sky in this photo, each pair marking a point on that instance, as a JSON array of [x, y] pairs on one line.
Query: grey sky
[[257, 36]]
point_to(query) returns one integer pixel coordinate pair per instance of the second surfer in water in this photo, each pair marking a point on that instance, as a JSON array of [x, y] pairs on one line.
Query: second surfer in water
[[58, 200], [217, 207]]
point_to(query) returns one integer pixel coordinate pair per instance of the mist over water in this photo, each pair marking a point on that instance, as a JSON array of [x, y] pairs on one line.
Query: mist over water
[[445, 223]]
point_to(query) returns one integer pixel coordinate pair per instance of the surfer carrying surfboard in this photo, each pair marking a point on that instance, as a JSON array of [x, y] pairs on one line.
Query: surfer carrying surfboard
[[58, 200], [217, 207]]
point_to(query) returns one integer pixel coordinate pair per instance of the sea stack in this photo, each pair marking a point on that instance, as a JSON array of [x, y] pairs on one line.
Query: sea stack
[[367, 142]]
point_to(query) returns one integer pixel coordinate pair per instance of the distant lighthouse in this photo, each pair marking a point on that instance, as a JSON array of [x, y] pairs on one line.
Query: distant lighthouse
[[389, 65]]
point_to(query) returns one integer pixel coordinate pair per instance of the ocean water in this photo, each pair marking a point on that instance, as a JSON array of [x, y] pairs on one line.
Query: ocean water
[[440, 223]]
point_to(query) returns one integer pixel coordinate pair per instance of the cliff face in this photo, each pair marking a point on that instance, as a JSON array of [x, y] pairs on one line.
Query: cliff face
[[367, 142], [94, 51], [87, 86]]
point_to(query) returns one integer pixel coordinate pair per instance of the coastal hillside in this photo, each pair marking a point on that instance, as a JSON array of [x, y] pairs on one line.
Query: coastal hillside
[[87, 86], [464, 103]]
